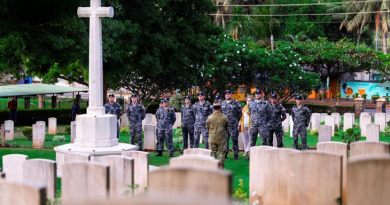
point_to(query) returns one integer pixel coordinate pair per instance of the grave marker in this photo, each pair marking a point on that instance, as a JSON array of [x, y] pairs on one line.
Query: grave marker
[[369, 148], [325, 133], [13, 166], [18, 193], [52, 126], [141, 169], [194, 161], [42, 172]]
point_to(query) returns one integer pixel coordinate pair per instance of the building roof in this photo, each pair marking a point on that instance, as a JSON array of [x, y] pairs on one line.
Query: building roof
[[384, 84], [36, 89]]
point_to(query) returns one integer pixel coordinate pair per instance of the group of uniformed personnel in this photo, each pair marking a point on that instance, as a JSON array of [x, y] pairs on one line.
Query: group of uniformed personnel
[[213, 121]]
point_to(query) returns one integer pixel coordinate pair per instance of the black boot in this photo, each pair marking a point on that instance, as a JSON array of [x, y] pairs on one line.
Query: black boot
[[235, 156], [159, 154]]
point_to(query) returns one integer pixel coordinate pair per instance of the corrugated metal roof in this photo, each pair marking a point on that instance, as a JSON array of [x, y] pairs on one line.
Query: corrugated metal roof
[[36, 89]]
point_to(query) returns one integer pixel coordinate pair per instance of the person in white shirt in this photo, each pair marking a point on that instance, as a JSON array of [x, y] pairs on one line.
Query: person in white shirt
[[245, 126]]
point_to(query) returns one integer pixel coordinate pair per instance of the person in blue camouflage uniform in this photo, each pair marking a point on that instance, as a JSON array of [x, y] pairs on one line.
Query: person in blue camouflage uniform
[[278, 115], [158, 122], [202, 111], [260, 112], [300, 114], [135, 113], [187, 122], [232, 109], [167, 118], [217, 99], [114, 108]]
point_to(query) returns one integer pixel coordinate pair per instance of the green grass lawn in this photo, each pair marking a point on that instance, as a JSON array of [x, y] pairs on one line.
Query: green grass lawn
[[240, 168]]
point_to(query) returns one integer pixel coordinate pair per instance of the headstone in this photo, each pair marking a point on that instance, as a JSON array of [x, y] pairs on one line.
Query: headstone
[[42, 123], [241, 141], [348, 121], [257, 166], [2, 135], [150, 137], [321, 172], [42, 172], [147, 120], [141, 169], [369, 148], [329, 120], [18, 193], [323, 116], [340, 149], [72, 131], [315, 121], [325, 133], [121, 174], [153, 168], [276, 175], [13, 166], [71, 157], [361, 116], [286, 123], [373, 132], [365, 120], [194, 161], [200, 151], [154, 119], [184, 181], [124, 121], [380, 119], [336, 119], [291, 126], [38, 136], [368, 180], [9, 130], [83, 181], [52, 126], [178, 121], [274, 141]]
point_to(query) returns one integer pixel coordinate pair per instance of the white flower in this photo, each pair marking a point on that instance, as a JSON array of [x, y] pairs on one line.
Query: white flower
[[300, 59], [225, 60], [290, 66], [239, 64], [243, 45], [236, 44], [300, 77], [238, 52], [225, 35]]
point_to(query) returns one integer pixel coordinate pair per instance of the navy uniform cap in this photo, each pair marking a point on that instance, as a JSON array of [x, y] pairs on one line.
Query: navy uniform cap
[[111, 95], [201, 93], [298, 97], [258, 92], [134, 95], [166, 99], [228, 91], [188, 97], [274, 96], [217, 97]]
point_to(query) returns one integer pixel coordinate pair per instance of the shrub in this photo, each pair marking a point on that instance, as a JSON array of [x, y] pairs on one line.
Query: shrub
[[341, 123], [322, 123], [27, 132], [336, 127], [364, 95], [239, 193], [388, 124], [350, 136], [387, 132], [59, 138], [67, 129], [314, 132], [124, 130], [374, 97], [177, 101], [356, 95], [320, 96]]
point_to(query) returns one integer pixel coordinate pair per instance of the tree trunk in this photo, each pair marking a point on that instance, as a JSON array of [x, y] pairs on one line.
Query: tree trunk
[[377, 23], [384, 42]]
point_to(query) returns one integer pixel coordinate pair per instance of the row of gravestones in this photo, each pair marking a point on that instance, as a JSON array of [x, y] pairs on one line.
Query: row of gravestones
[[111, 177], [286, 176]]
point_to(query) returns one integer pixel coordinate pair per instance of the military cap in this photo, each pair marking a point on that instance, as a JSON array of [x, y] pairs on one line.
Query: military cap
[[166, 99], [188, 97], [134, 95], [298, 97], [217, 97], [228, 91], [201, 93], [274, 96], [258, 92], [111, 95], [217, 105]]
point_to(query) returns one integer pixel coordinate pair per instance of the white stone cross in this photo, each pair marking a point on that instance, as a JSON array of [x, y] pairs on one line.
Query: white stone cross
[[95, 13]]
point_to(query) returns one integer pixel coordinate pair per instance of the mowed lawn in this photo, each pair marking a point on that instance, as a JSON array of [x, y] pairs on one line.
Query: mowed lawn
[[239, 168]]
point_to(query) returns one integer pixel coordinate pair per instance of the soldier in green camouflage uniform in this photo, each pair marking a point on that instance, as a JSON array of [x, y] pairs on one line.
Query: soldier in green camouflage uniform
[[278, 115], [301, 117], [114, 108], [202, 111], [135, 113], [167, 118], [232, 109], [217, 125]]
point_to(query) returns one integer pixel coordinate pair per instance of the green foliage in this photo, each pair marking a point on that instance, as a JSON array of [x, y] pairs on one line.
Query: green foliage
[[177, 102], [56, 201], [374, 97], [178, 132], [314, 132], [67, 130], [322, 123], [387, 132], [341, 123], [356, 95], [320, 96], [27, 132], [59, 138], [336, 128], [239, 193], [364, 95], [388, 124], [124, 130], [350, 136]]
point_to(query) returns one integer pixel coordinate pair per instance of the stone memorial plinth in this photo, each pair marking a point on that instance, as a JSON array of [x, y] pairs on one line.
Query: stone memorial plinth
[[96, 132], [52, 126], [348, 121], [150, 137], [13, 166], [380, 119], [365, 120], [9, 130], [372, 133], [325, 133], [194, 161], [329, 120], [315, 121], [72, 131], [38, 136], [368, 180], [18, 193], [42, 172]]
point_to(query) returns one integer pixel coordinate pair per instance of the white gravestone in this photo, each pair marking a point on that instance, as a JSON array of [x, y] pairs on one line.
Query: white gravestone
[[348, 121], [52, 126], [336, 119], [147, 120], [38, 136], [330, 122], [360, 118], [178, 121], [291, 127], [72, 131], [315, 121], [2, 135], [42, 172], [286, 123], [372, 133], [9, 130], [365, 120], [42, 123], [13, 166], [141, 169], [325, 133], [18, 193], [150, 137], [323, 116], [380, 119]]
